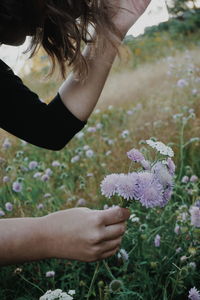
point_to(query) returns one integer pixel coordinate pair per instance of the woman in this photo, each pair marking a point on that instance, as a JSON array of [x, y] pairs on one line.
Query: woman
[[60, 26]]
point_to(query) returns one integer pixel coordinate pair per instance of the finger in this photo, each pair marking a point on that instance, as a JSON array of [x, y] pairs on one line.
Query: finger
[[114, 231], [107, 246], [109, 253], [114, 215]]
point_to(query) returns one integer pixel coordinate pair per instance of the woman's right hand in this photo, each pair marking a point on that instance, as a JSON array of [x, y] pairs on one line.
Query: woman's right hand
[[84, 234]]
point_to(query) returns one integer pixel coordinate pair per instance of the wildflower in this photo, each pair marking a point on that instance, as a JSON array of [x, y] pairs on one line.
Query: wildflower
[[195, 216], [134, 219], [183, 258], [123, 255], [45, 177], [177, 229], [6, 179], [90, 174], [171, 166], [157, 240], [57, 294], [194, 178], [162, 175], [7, 143], [194, 92], [37, 174], [91, 129], [192, 265], [86, 147], [161, 148], [2, 213], [47, 195], [40, 206], [50, 274], [145, 164], [194, 294], [115, 285], [185, 179], [135, 155], [178, 250], [55, 163], [17, 187], [109, 185], [125, 134], [126, 186], [9, 206], [32, 165], [152, 196], [182, 83], [99, 125], [81, 202], [48, 172], [75, 159], [149, 192], [108, 153], [79, 135], [89, 153]]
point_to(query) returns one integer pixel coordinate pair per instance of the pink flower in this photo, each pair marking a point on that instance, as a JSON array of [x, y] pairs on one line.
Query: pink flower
[[195, 216], [194, 294], [135, 155], [9, 206], [194, 178], [157, 240]]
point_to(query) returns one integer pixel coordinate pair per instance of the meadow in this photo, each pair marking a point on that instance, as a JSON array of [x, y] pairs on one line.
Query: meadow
[[154, 92]]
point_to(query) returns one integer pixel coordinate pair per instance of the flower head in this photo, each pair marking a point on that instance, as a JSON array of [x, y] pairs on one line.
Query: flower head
[[32, 165], [50, 274], [157, 240], [109, 185], [135, 155], [17, 187], [195, 216], [194, 294], [127, 185], [9, 206], [161, 148]]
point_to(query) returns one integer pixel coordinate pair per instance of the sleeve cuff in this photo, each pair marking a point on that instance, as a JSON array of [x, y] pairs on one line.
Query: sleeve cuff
[[58, 107]]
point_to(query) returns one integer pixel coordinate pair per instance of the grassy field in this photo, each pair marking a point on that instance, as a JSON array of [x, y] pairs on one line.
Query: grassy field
[[157, 97]]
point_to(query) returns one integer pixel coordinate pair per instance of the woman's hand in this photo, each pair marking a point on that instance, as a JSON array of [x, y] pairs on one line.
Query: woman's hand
[[84, 234], [127, 12]]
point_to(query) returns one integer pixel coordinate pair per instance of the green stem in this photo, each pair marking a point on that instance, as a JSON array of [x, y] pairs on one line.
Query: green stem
[[37, 287], [181, 150], [92, 282], [108, 269]]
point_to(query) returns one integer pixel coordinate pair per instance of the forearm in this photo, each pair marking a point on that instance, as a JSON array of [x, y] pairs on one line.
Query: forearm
[[22, 240], [81, 98]]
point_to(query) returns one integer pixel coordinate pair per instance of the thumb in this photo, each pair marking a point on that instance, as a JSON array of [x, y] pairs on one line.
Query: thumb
[[115, 215]]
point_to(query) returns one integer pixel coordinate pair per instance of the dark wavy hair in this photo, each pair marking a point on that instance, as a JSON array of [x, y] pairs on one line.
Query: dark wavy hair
[[60, 26]]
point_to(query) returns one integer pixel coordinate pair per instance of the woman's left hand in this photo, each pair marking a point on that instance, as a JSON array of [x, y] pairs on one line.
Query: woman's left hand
[[127, 12]]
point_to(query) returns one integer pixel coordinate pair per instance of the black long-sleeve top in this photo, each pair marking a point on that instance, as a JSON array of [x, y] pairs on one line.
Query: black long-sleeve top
[[24, 115]]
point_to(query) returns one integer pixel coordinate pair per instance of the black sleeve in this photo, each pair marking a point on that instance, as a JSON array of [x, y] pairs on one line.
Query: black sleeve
[[24, 115]]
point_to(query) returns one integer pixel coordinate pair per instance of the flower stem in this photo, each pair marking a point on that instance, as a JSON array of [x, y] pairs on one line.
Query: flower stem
[[109, 270], [92, 282]]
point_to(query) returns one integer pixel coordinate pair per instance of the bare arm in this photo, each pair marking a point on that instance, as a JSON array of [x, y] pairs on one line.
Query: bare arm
[[97, 233], [81, 99]]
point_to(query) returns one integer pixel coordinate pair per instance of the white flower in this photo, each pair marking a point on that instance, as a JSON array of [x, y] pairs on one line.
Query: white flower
[[125, 134], [89, 153], [79, 135], [57, 294], [75, 159], [161, 147]]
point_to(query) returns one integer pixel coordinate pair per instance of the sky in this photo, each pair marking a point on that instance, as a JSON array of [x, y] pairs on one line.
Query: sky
[[156, 13]]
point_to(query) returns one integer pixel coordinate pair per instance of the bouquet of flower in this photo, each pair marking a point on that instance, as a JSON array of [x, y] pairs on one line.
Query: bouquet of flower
[[152, 184]]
